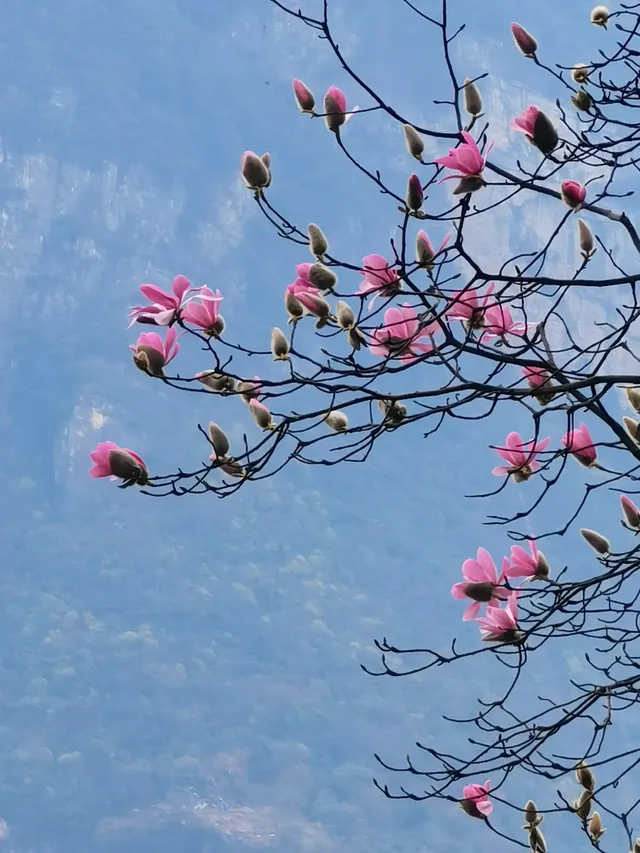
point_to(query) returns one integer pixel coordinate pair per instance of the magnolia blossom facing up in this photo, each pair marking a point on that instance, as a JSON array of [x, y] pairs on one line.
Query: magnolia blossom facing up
[[469, 163], [165, 307], [476, 801], [498, 323], [580, 445], [520, 457], [118, 463], [206, 314], [379, 278], [465, 305], [480, 583], [151, 354], [499, 625], [522, 565], [401, 336]]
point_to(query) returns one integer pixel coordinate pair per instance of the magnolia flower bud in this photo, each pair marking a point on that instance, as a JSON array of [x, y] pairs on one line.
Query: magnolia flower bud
[[536, 840], [334, 116], [279, 345], [633, 428], [582, 807], [415, 196], [233, 468], [525, 42], [149, 360], [633, 396], [636, 846], [582, 100], [127, 468], [531, 816], [293, 306], [345, 316], [585, 777], [337, 421], [472, 98], [356, 338], [219, 383], [469, 184], [543, 569], [599, 544], [322, 277], [413, 141], [600, 16], [219, 440], [266, 159], [545, 136], [392, 411], [470, 808], [249, 389], [255, 173], [586, 238], [424, 250], [580, 73], [317, 241], [630, 512], [261, 415], [304, 97], [595, 828]]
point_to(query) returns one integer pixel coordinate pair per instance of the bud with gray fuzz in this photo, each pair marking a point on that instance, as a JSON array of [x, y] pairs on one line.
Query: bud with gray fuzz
[[127, 468], [317, 241], [414, 197], [322, 277], [424, 251], [585, 777], [587, 245], [600, 16], [266, 159], [149, 360], [233, 468], [632, 427], [356, 338], [279, 345], [543, 569], [630, 512], [580, 73], [531, 816], [582, 100], [633, 396], [536, 840], [293, 306], [249, 389], [337, 421], [334, 117], [261, 415], [469, 184], [582, 806], [345, 316], [595, 828], [414, 142], [255, 172], [219, 441], [392, 411], [219, 383], [636, 846], [545, 136], [472, 98], [599, 544], [525, 42]]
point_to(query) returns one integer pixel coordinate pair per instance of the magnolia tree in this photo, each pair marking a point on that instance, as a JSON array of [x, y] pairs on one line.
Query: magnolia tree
[[359, 337]]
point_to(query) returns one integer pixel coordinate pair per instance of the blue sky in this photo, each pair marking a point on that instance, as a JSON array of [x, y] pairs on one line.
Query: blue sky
[[151, 645]]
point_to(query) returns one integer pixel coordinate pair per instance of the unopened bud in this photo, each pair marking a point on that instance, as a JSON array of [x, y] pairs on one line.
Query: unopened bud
[[219, 440], [337, 421], [219, 383], [415, 196], [317, 241], [472, 98], [233, 468], [582, 806], [632, 427], [531, 816], [633, 396], [249, 389], [599, 544], [345, 316], [580, 73], [149, 360], [322, 277], [600, 16], [585, 777], [630, 512], [255, 173], [392, 411], [525, 42], [356, 338], [596, 830], [543, 569], [279, 345], [293, 306], [266, 159], [586, 238], [536, 840], [334, 115], [413, 141], [545, 136], [125, 466], [582, 100], [304, 97], [424, 250], [261, 415], [469, 184]]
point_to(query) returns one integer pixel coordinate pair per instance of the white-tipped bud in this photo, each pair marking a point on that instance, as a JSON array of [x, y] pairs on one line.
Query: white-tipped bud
[[413, 141], [586, 239], [279, 345], [219, 383], [536, 840], [293, 306], [317, 241], [633, 396], [337, 421], [595, 828], [632, 427], [582, 100], [345, 316], [219, 440], [582, 806], [580, 73], [261, 415], [472, 98], [599, 544], [600, 16], [585, 777], [322, 277]]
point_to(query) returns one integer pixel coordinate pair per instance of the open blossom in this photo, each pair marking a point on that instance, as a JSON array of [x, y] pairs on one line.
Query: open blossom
[[573, 194], [525, 122], [499, 625], [425, 254], [165, 307], [469, 163], [206, 314], [498, 323], [401, 335], [118, 463], [465, 305], [480, 583], [580, 445], [151, 354], [476, 801], [523, 565], [520, 457], [379, 278]]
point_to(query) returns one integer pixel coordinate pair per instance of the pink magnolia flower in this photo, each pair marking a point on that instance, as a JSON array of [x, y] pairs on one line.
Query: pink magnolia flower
[[379, 278], [118, 463], [151, 354], [469, 162], [573, 194], [520, 457], [498, 323], [526, 122], [580, 445], [523, 565], [501, 625], [165, 307], [467, 307], [425, 254], [631, 512], [335, 108], [401, 335], [480, 583], [525, 42], [304, 97], [206, 314], [476, 801]]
